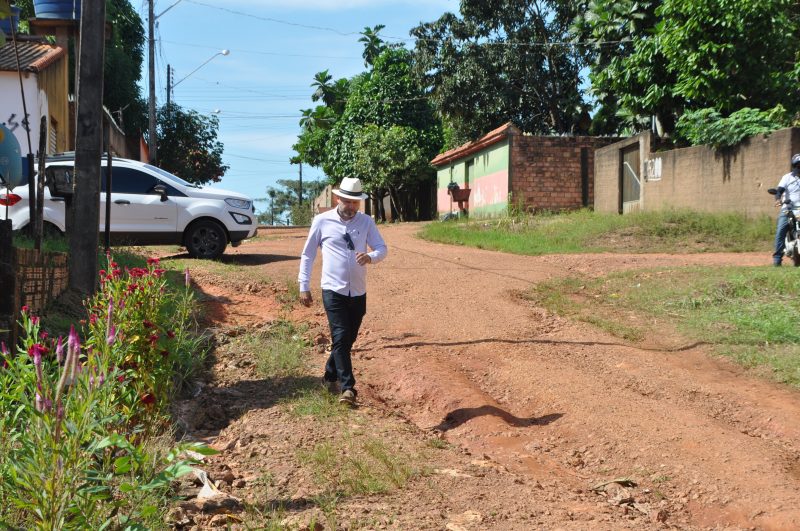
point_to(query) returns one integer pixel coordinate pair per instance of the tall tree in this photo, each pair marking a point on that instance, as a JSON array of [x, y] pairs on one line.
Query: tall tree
[[373, 44], [189, 147], [665, 57], [124, 56], [386, 97], [501, 61]]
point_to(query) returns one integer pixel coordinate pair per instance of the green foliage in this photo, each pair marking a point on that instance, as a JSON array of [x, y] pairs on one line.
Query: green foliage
[[665, 58], [78, 421], [284, 202], [188, 145], [124, 57], [386, 110], [492, 65], [586, 231], [707, 126]]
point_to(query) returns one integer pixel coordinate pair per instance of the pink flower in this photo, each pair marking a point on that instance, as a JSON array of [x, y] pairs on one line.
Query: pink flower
[[148, 399], [24, 309], [152, 261], [44, 335], [148, 324], [3, 348], [36, 350], [153, 339], [112, 335], [60, 350], [92, 319], [170, 334]]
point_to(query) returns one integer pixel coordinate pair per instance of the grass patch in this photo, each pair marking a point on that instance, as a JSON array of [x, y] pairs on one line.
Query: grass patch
[[358, 466], [747, 314], [587, 231], [279, 350], [51, 243], [316, 402]]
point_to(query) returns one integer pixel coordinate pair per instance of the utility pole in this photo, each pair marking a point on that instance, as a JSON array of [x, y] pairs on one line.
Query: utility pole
[[300, 188], [169, 84], [151, 54], [83, 237]]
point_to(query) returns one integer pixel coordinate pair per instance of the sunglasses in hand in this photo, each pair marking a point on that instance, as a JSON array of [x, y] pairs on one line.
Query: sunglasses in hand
[[349, 241]]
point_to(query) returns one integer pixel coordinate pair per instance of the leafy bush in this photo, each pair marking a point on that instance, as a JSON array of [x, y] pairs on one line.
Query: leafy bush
[[707, 126], [77, 418]]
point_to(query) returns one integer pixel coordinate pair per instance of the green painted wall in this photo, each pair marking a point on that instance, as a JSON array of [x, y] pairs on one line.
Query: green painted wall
[[492, 162]]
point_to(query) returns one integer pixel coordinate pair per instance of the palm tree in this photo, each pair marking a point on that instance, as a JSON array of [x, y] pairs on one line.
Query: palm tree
[[373, 44], [325, 91]]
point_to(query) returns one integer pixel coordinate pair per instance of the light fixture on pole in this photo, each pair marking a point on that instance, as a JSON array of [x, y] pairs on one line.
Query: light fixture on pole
[[222, 52]]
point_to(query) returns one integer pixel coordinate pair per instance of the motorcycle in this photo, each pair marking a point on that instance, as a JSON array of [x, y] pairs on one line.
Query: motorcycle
[[792, 212]]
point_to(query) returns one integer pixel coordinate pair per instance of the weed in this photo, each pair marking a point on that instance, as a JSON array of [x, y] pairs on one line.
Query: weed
[[279, 351], [317, 403], [437, 443]]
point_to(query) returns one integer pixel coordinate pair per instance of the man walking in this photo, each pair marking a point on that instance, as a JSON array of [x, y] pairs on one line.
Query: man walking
[[343, 234]]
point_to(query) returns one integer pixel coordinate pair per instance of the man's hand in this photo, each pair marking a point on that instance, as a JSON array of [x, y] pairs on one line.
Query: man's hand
[[363, 259], [305, 298]]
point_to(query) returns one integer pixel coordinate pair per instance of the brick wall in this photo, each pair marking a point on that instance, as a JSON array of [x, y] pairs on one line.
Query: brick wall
[[547, 172], [701, 178]]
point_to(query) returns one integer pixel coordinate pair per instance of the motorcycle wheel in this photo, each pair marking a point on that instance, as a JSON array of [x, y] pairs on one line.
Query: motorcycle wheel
[[796, 257]]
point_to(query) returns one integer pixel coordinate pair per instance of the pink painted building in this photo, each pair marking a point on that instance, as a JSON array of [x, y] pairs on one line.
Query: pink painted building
[[507, 166]]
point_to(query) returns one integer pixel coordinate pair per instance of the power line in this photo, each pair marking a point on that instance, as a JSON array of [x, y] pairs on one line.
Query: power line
[[280, 54]]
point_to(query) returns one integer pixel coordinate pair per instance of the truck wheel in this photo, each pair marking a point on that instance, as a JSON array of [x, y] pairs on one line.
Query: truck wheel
[[205, 239]]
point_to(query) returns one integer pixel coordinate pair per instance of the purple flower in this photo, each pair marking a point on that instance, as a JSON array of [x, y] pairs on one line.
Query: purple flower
[[74, 341], [112, 334], [60, 350], [3, 348], [39, 403]]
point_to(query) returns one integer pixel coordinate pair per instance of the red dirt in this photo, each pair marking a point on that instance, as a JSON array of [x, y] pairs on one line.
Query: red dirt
[[552, 407]]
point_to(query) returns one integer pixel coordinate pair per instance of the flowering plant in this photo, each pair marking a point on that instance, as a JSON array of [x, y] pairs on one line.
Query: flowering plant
[[76, 414]]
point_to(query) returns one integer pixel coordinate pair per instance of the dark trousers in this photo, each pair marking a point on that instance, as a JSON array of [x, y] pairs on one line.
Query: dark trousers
[[344, 318]]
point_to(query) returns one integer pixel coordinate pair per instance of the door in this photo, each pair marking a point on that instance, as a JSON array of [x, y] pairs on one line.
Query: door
[[137, 210], [630, 182]]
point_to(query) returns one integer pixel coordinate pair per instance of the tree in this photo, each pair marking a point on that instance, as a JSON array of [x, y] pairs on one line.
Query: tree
[[283, 201], [189, 147], [664, 58], [501, 61], [386, 98], [373, 44], [124, 56]]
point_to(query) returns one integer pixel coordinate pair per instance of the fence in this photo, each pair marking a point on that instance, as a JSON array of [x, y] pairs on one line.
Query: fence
[[27, 278]]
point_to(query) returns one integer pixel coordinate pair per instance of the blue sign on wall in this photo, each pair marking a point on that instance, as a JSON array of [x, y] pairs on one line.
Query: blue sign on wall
[[10, 159]]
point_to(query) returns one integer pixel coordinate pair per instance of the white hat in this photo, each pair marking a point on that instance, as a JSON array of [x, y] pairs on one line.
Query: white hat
[[350, 189]]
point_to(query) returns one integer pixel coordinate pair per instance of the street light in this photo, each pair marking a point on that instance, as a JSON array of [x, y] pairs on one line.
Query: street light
[[223, 52]]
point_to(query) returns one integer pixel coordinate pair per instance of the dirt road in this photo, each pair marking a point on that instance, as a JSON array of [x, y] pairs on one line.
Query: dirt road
[[562, 406]]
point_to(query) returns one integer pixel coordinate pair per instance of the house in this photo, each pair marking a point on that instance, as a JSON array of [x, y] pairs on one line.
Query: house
[[507, 166], [44, 82], [638, 174]]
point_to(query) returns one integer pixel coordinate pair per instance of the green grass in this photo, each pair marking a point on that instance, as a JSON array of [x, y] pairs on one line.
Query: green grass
[[587, 231], [279, 351], [316, 402], [358, 466], [748, 314], [50, 243]]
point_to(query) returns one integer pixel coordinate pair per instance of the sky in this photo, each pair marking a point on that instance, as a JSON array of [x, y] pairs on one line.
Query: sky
[[258, 89]]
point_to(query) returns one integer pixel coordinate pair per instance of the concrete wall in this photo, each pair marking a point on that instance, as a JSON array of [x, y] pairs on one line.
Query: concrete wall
[[11, 112], [699, 177], [488, 181], [548, 172]]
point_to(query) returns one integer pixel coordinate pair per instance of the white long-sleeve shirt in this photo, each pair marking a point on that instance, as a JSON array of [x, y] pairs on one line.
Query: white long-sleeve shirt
[[340, 271]]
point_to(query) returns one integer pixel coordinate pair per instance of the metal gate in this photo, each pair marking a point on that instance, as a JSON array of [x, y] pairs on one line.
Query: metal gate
[[630, 184]]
